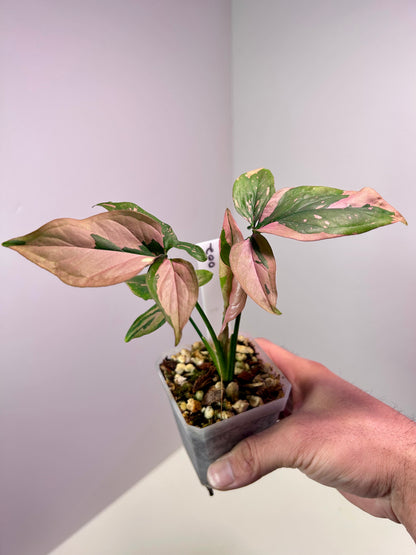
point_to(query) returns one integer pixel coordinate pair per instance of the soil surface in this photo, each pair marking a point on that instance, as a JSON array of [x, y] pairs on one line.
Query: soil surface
[[201, 396]]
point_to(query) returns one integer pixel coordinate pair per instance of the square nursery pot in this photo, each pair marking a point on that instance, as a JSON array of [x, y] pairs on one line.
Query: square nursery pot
[[205, 445]]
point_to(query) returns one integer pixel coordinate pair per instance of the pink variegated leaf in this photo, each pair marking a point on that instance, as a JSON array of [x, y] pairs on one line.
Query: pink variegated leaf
[[233, 294], [101, 250], [236, 303], [254, 266], [173, 284], [315, 213], [169, 237]]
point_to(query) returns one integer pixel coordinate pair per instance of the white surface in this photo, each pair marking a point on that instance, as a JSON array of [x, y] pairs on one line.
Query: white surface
[[168, 512], [100, 100], [210, 294]]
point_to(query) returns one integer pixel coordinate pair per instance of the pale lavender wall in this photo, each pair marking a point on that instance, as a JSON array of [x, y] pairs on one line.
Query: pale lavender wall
[[131, 101], [100, 100], [324, 94]]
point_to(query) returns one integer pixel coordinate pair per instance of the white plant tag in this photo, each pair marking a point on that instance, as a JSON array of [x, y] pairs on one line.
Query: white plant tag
[[211, 295]]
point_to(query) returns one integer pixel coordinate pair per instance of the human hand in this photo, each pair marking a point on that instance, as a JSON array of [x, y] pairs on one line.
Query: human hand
[[337, 435]]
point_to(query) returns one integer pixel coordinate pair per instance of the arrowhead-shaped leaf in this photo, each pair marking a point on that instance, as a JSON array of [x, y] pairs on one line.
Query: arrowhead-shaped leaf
[[174, 286], [315, 213], [254, 266], [251, 192], [203, 276], [194, 250], [148, 322], [232, 292], [230, 235], [111, 206], [103, 249], [138, 286], [169, 237], [236, 303]]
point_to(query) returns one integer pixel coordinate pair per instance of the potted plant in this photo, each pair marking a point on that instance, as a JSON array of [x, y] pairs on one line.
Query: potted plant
[[222, 389]]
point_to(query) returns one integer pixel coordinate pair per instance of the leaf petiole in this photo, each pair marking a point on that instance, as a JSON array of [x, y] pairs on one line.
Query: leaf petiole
[[232, 351], [222, 366], [208, 347]]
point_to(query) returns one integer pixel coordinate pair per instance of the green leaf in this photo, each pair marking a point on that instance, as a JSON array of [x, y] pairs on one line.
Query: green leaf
[[300, 199], [174, 286], [204, 276], [110, 206], [147, 323], [251, 192], [346, 221], [169, 236], [193, 250], [104, 249], [315, 213], [225, 248], [139, 287]]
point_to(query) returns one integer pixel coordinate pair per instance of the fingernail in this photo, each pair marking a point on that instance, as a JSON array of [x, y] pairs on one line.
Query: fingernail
[[220, 474]]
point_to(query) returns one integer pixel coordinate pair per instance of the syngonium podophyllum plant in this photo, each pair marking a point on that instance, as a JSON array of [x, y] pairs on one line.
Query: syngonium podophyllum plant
[[117, 245]]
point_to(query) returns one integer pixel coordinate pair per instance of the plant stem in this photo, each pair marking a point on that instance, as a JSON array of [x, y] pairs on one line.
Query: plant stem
[[233, 346], [222, 366], [207, 345]]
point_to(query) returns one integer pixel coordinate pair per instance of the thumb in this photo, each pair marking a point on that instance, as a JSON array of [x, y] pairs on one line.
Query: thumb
[[254, 457]]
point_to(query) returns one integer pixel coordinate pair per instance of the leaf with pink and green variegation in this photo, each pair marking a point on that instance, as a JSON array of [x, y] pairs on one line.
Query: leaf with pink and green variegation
[[230, 235], [254, 266], [146, 323], [169, 237], [236, 304], [232, 292], [138, 284], [173, 284], [315, 213], [101, 250], [251, 192]]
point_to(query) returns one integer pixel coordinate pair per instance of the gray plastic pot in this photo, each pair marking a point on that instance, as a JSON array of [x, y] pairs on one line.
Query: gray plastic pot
[[205, 445]]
